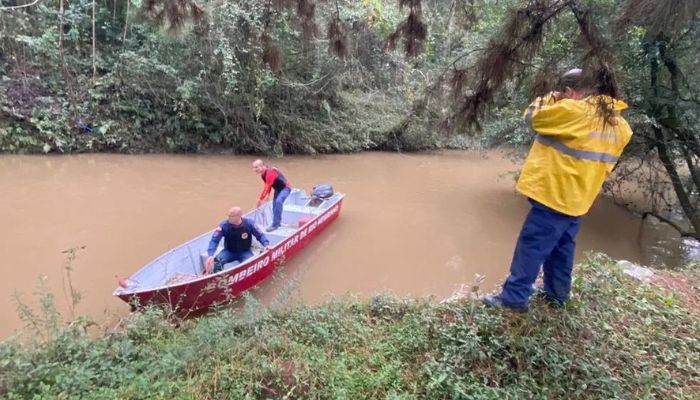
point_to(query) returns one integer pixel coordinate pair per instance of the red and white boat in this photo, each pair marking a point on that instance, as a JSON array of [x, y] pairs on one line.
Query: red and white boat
[[176, 278]]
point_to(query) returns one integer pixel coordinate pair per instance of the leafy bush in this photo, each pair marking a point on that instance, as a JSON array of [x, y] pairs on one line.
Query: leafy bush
[[616, 338]]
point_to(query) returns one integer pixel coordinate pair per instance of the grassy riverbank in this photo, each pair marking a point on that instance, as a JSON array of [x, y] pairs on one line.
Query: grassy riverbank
[[616, 339]]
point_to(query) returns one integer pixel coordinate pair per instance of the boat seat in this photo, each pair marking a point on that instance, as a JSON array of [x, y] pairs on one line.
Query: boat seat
[[301, 209], [203, 260]]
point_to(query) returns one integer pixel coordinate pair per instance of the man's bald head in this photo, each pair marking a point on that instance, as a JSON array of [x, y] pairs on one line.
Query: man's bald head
[[235, 215], [259, 166]]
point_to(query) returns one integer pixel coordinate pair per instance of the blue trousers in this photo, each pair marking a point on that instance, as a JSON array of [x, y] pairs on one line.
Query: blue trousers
[[225, 256], [278, 205], [547, 239]]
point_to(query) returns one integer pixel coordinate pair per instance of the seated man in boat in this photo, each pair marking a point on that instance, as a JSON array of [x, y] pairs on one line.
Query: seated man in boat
[[273, 179], [236, 232]]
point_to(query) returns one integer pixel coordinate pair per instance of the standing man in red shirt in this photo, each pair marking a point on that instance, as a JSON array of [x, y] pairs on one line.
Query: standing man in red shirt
[[273, 179]]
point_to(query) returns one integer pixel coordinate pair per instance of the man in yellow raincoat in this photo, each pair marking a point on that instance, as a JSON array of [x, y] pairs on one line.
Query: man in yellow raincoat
[[579, 138]]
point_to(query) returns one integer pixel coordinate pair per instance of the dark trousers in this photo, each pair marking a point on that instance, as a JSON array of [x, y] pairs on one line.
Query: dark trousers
[[224, 257], [547, 239], [278, 205]]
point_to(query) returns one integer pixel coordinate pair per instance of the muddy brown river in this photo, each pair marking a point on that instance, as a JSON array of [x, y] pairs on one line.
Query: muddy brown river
[[411, 224]]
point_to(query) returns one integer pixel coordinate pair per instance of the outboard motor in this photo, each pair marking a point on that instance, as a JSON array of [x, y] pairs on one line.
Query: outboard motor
[[322, 191]]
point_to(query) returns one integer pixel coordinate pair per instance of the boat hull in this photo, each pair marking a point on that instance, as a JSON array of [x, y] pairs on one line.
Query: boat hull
[[213, 290]]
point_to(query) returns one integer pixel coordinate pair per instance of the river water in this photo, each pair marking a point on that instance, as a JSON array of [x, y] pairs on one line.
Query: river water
[[418, 224]]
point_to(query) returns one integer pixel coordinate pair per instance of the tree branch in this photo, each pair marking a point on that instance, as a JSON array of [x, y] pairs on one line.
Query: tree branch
[[673, 224], [20, 6]]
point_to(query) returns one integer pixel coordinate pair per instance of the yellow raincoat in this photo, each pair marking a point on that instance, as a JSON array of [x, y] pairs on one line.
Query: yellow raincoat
[[573, 152]]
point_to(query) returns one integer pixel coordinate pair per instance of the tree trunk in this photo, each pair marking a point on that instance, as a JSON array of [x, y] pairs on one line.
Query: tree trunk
[[664, 152], [94, 57], [692, 167], [126, 22], [448, 39], [676, 182], [687, 139], [66, 75], [60, 32]]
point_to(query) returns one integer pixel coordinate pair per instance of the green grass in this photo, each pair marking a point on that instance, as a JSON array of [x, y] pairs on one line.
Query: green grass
[[615, 339]]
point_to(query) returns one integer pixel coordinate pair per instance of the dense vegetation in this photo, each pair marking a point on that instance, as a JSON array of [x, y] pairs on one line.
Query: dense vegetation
[[616, 339], [249, 76], [299, 76]]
